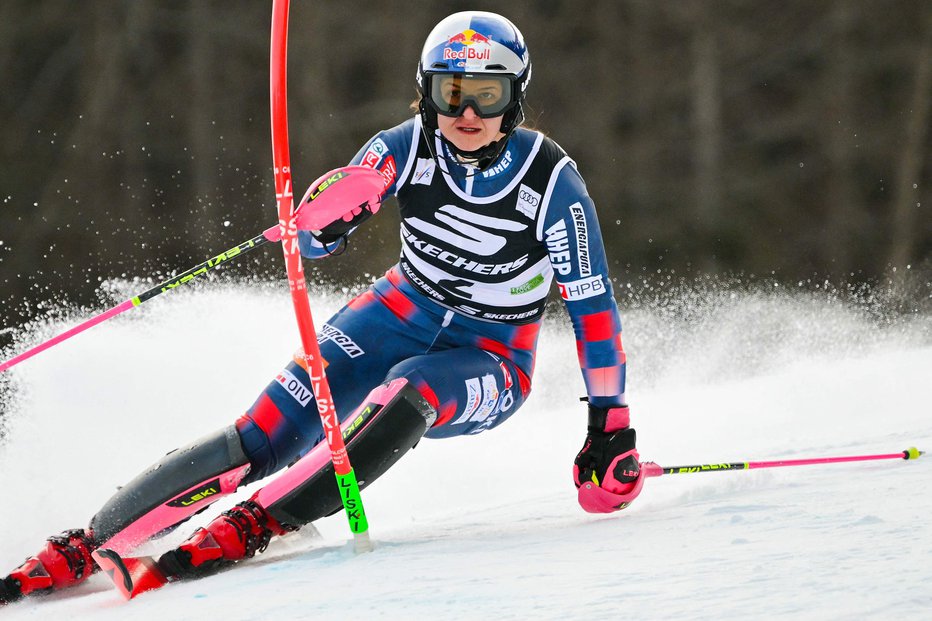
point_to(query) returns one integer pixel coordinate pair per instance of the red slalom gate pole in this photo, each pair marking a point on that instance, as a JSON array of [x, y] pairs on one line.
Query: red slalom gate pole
[[651, 469], [346, 478]]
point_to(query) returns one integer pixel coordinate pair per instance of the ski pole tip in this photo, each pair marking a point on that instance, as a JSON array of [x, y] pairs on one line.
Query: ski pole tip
[[912, 453], [362, 543]]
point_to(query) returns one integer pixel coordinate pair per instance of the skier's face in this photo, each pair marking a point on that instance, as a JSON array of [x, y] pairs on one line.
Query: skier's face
[[468, 132], [454, 93]]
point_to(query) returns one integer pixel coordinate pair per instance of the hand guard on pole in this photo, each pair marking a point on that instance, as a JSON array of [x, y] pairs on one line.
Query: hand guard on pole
[[339, 201], [606, 470]]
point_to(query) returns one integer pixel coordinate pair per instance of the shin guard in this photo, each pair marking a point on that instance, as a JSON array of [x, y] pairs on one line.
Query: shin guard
[[391, 420], [184, 482]]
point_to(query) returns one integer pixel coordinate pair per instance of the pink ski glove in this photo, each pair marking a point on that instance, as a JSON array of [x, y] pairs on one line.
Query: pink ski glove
[[606, 471]]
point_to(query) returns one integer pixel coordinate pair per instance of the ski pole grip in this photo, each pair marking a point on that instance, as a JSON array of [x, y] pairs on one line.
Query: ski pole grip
[[912, 453]]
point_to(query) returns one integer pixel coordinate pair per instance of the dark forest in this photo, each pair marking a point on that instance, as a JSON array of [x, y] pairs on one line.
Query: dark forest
[[779, 140]]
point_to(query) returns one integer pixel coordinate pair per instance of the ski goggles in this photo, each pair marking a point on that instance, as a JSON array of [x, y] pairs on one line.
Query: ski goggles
[[489, 95]]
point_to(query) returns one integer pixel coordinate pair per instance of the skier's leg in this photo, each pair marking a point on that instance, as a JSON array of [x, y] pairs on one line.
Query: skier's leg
[[281, 426], [360, 344], [474, 389], [184, 482], [188, 480], [389, 423], [457, 391]]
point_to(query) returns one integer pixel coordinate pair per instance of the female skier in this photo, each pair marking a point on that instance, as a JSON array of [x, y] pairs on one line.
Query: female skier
[[443, 345]]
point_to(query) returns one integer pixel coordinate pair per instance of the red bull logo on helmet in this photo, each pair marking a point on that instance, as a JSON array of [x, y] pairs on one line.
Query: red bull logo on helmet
[[468, 38]]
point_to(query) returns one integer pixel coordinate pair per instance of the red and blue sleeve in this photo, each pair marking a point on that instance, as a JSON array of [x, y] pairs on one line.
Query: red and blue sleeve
[[570, 229]]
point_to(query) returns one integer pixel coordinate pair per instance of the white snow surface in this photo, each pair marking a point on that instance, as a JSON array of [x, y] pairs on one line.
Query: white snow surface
[[487, 527]]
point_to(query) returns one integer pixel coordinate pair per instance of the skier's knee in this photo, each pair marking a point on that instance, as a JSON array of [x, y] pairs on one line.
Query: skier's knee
[[391, 420], [412, 370], [281, 425]]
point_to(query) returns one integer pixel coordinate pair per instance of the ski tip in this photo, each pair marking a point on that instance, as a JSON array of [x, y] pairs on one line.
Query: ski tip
[[112, 565], [912, 453], [131, 575]]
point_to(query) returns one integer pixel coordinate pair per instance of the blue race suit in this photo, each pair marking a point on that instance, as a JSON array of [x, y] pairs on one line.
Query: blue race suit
[[459, 314]]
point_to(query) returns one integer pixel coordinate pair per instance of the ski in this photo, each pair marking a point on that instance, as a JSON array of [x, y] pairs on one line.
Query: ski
[[131, 575]]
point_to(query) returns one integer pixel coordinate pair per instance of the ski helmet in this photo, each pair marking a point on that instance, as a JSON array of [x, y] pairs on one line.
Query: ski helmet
[[474, 45]]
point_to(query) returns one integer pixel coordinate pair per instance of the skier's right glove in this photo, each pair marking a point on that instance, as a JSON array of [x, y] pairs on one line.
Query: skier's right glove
[[349, 221], [606, 471], [339, 201]]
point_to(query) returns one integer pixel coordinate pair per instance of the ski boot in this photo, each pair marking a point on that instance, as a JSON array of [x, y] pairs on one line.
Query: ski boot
[[64, 562], [234, 535]]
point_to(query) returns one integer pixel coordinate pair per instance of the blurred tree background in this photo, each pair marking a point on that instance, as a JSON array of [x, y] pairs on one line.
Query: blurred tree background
[[788, 139]]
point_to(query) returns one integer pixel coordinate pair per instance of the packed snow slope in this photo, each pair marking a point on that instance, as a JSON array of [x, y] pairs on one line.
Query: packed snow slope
[[487, 527]]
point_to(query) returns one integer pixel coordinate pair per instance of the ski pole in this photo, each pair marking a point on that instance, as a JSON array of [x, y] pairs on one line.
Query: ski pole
[[650, 469], [281, 161], [269, 235]]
